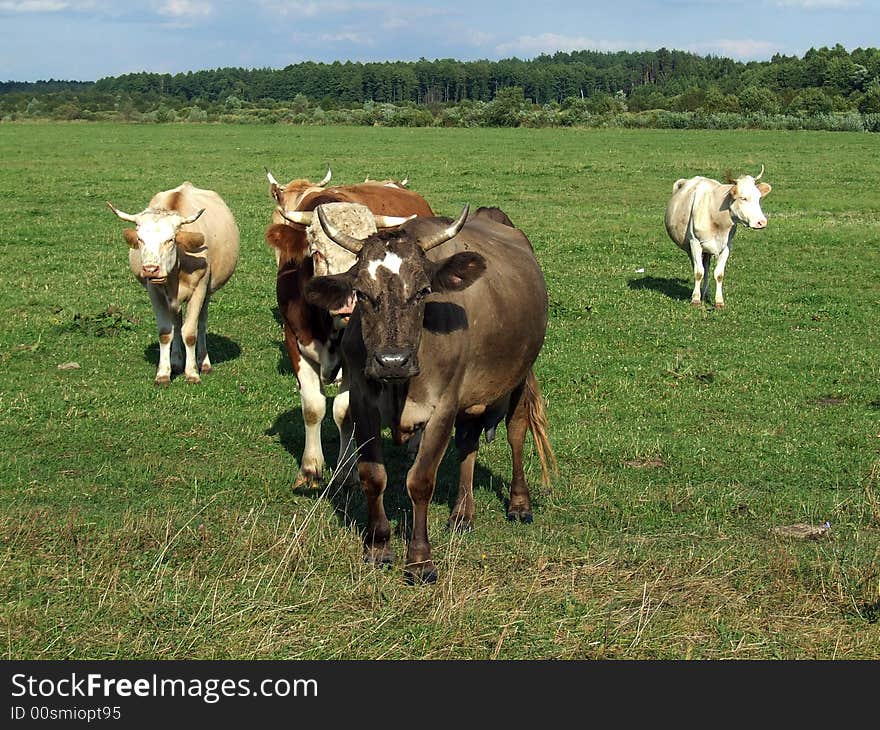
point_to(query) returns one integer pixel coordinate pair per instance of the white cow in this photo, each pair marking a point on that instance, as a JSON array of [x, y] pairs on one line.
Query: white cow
[[701, 218], [182, 267]]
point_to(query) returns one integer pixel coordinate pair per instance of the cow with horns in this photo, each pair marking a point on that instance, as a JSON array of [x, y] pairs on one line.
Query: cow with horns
[[311, 333], [701, 218], [450, 319], [183, 248]]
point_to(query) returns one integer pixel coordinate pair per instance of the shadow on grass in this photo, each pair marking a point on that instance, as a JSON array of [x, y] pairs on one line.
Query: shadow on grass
[[220, 349], [284, 366], [672, 288], [349, 504]]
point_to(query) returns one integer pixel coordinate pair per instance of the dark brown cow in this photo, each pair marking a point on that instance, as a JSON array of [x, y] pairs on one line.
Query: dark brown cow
[[450, 319], [311, 334]]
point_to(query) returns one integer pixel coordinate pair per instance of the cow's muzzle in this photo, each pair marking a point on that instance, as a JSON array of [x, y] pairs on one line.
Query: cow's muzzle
[[393, 364], [760, 223], [151, 274]]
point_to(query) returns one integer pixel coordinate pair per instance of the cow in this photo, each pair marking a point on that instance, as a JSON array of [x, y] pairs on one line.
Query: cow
[[450, 319], [312, 334], [701, 218], [184, 247]]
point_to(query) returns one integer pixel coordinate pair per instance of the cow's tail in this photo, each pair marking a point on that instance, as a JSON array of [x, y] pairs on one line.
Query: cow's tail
[[534, 401]]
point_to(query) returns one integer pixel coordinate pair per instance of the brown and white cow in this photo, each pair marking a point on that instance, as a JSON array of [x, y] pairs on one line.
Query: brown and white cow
[[184, 247], [701, 218], [450, 319], [312, 334]]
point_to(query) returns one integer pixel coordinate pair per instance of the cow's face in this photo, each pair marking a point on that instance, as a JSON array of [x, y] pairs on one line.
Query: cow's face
[[745, 202], [157, 237], [390, 280]]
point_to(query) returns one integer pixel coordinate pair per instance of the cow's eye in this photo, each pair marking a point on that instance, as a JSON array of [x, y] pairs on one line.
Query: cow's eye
[[363, 297], [422, 293]]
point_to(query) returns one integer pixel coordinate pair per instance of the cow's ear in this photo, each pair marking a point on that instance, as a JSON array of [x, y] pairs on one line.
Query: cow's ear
[[280, 236], [458, 272], [131, 237], [329, 292], [285, 239], [764, 188], [190, 240]]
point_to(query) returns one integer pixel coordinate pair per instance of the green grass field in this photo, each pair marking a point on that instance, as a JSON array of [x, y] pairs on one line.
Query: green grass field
[[140, 522]]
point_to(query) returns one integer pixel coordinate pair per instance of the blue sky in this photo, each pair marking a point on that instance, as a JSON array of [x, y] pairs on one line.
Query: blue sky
[[85, 40]]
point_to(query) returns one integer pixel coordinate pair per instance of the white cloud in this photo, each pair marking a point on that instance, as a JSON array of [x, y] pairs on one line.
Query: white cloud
[[533, 45], [33, 6], [820, 4], [346, 37], [185, 8], [744, 49], [313, 8], [478, 37]]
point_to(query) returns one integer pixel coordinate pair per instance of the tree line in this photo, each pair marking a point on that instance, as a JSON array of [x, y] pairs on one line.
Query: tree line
[[665, 87]]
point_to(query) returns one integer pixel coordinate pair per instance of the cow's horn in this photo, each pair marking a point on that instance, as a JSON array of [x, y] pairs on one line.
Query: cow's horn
[[349, 243], [760, 173], [404, 182], [296, 216], [389, 221], [192, 218], [272, 180], [452, 229], [124, 216], [326, 178]]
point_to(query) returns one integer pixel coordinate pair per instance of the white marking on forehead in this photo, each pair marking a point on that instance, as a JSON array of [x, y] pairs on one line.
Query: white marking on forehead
[[391, 262], [157, 228]]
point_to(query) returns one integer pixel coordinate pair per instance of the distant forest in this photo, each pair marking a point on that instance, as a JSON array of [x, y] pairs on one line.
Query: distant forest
[[827, 88]]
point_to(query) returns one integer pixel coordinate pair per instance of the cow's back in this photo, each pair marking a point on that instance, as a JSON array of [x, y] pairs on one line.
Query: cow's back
[[217, 224], [505, 310], [681, 205], [379, 198]]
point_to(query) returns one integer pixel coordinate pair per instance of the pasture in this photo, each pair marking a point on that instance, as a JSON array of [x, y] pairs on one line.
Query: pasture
[[150, 523]]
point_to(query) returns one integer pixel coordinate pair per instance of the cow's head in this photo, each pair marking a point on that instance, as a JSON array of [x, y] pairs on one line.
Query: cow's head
[[745, 200], [288, 196], [391, 279], [330, 258], [157, 237]]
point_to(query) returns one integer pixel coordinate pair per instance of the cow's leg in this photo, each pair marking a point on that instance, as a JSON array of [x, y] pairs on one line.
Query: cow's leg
[[314, 406], [165, 325], [203, 361], [720, 265], [190, 327], [704, 292], [346, 464], [177, 348], [420, 482], [373, 478], [467, 441], [696, 253], [520, 507]]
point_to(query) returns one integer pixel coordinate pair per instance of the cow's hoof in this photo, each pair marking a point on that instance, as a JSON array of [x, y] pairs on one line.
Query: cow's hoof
[[423, 573], [460, 524], [193, 378], [696, 303], [206, 369], [719, 305], [521, 515], [379, 556], [163, 380], [308, 481]]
